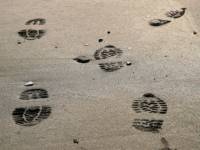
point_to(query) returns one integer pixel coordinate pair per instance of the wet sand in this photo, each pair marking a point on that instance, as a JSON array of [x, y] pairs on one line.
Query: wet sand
[[81, 106]]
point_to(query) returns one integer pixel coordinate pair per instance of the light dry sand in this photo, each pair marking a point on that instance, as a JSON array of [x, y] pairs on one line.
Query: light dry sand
[[193, 7], [87, 103]]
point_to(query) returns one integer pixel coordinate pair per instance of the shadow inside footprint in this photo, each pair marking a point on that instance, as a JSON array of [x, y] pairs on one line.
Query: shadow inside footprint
[[82, 59], [30, 116], [34, 94], [158, 22], [31, 34]]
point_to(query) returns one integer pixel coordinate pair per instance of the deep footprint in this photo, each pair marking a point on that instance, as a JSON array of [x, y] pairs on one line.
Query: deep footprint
[[158, 22], [107, 51], [30, 116], [112, 66], [34, 94], [31, 34], [37, 21], [148, 125], [150, 103]]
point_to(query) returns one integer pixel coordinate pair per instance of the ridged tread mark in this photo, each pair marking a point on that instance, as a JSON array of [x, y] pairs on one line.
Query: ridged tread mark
[[107, 51], [31, 34], [111, 66], [30, 116], [147, 125], [150, 103], [176, 13]]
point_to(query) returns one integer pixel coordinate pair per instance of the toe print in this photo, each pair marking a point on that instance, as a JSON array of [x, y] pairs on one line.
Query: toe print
[[149, 103], [34, 94], [176, 13], [112, 66], [30, 116], [107, 51], [31, 34], [148, 125], [158, 22], [37, 21]]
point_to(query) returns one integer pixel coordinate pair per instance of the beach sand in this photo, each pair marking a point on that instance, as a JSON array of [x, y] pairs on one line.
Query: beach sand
[[87, 108]]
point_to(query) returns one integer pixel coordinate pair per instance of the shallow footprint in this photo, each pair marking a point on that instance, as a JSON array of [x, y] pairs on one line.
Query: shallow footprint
[[30, 116], [37, 21], [34, 94]]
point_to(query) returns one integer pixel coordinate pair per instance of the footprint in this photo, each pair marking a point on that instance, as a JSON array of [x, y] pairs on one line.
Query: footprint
[[107, 51], [176, 13], [34, 94], [158, 22], [31, 34], [30, 116], [149, 103], [37, 21], [147, 125], [111, 66]]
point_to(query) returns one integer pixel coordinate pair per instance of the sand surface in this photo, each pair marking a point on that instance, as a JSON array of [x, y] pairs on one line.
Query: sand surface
[[88, 108], [193, 7]]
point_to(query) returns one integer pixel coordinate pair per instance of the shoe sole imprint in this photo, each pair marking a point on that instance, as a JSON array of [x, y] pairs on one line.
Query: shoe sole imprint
[[107, 51], [34, 94], [112, 66], [31, 34], [147, 125], [175, 13], [30, 116], [150, 103]]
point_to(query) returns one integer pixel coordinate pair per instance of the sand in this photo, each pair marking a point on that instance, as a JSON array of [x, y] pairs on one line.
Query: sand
[[90, 109], [192, 6]]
